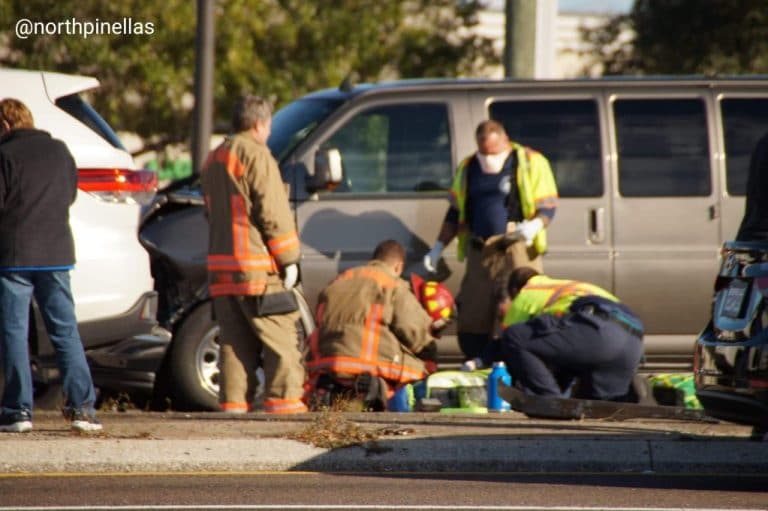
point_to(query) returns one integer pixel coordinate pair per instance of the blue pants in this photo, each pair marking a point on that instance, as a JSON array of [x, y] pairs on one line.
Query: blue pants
[[546, 352], [51, 290]]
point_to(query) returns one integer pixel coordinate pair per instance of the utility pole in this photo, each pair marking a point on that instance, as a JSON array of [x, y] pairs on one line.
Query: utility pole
[[529, 38], [204, 54]]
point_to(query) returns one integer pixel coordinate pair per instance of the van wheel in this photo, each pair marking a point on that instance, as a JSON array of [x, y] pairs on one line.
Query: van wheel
[[194, 364]]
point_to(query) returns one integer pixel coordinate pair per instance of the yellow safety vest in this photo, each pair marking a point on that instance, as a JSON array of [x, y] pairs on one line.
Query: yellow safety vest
[[536, 187], [543, 295]]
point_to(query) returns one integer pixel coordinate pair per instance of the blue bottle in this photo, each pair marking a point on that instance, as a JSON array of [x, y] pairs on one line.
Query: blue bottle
[[402, 399], [495, 402]]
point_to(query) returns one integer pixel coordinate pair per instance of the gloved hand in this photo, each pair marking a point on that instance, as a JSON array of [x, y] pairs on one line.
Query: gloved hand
[[437, 327], [290, 276], [529, 229], [433, 256], [472, 365]]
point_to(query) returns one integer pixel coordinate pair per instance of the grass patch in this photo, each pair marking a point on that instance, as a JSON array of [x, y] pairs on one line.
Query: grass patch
[[331, 430]]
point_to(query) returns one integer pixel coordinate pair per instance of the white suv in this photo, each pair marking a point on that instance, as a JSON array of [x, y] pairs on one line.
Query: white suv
[[111, 282]]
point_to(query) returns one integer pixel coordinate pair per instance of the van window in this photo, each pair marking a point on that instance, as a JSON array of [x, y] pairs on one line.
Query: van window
[[745, 121], [566, 132], [395, 148], [663, 147]]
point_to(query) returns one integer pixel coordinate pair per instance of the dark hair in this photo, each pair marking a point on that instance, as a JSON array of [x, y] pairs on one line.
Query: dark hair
[[389, 251], [485, 128], [248, 110], [519, 278]]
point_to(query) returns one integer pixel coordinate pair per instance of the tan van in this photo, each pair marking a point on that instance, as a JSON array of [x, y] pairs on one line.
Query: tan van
[[651, 174]]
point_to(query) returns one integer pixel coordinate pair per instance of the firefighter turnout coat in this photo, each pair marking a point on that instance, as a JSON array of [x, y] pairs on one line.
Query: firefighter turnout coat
[[368, 320], [254, 235]]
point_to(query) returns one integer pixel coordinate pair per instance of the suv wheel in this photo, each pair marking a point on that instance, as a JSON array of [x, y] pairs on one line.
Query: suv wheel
[[194, 364]]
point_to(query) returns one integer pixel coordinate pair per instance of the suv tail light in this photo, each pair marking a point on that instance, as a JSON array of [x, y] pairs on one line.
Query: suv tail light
[[119, 185]]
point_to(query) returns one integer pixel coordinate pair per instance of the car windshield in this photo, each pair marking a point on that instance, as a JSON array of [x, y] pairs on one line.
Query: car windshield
[[295, 121]]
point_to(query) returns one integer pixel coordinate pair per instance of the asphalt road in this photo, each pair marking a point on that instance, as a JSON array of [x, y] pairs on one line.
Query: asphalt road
[[422, 491]]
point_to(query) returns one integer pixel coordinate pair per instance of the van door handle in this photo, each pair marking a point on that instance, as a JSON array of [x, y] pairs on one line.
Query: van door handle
[[714, 212], [596, 225]]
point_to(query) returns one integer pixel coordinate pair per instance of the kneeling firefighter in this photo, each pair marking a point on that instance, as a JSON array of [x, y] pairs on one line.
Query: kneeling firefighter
[[373, 333]]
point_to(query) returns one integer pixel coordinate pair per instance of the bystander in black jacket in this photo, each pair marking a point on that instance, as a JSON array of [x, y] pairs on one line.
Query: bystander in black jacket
[[34, 206]]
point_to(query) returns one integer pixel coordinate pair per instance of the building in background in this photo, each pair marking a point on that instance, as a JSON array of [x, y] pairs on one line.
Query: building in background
[[560, 50]]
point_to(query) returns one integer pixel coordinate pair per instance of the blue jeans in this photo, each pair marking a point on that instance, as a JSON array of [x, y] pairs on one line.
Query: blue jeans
[[51, 290]]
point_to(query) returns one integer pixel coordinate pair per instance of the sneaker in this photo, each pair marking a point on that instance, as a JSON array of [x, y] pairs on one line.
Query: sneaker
[[83, 422], [16, 422]]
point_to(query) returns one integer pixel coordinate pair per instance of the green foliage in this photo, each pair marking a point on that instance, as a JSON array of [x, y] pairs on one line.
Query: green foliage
[[277, 48], [714, 37]]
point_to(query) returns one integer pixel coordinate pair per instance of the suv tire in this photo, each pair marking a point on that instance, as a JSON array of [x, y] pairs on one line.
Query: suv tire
[[194, 362]]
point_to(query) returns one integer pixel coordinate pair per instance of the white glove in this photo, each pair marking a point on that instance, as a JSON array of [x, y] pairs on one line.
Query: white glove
[[433, 256], [529, 229], [290, 276], [472, 365]]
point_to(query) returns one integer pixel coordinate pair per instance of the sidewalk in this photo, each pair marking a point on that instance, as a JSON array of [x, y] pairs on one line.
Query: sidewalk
[[386, 442]]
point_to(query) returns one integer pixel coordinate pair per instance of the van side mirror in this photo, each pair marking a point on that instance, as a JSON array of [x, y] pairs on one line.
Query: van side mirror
[[328, 170]]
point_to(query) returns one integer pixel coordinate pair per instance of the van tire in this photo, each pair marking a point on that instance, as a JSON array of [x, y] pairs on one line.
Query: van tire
[[194, 362]]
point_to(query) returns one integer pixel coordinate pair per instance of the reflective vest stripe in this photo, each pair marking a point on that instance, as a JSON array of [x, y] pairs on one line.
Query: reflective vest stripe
[[559, 291], [350, 365], [283, 243], [232, 163], [240, 228], [372, 332], [378, 276], [314, 339], [547, 201], [230, 263]]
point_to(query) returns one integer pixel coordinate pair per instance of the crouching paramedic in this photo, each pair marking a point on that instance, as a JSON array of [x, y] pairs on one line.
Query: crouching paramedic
[[558, 330], [372, 333], [252, 265]]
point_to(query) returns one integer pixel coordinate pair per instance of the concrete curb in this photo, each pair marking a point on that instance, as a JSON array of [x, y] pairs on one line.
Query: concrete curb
[[468, 454]]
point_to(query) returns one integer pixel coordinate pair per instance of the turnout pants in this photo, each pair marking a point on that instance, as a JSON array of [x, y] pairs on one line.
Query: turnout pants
[[545, 353], [248, 342], [488, 268]]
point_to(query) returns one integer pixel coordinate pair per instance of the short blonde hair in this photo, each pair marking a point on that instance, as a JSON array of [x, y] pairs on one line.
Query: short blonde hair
[[16, 114]]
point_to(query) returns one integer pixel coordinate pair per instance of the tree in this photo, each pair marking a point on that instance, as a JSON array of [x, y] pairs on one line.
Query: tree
[[278, 48], [713, 37]]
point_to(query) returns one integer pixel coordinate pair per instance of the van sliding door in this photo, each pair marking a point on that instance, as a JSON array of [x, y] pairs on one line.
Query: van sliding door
[[567, 131], [666, 230]]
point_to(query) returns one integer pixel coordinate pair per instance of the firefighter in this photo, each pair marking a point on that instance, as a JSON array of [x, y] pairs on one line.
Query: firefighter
[[556, 331], [372, 333], [252, 266], [503, 188]]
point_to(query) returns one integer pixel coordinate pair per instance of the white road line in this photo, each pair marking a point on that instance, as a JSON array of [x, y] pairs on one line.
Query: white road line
[[359, 506]]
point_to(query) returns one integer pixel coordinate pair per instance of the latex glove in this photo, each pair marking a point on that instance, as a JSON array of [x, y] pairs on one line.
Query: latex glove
[[433, 256], [290, 276], [529, 229], [472, 365]]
